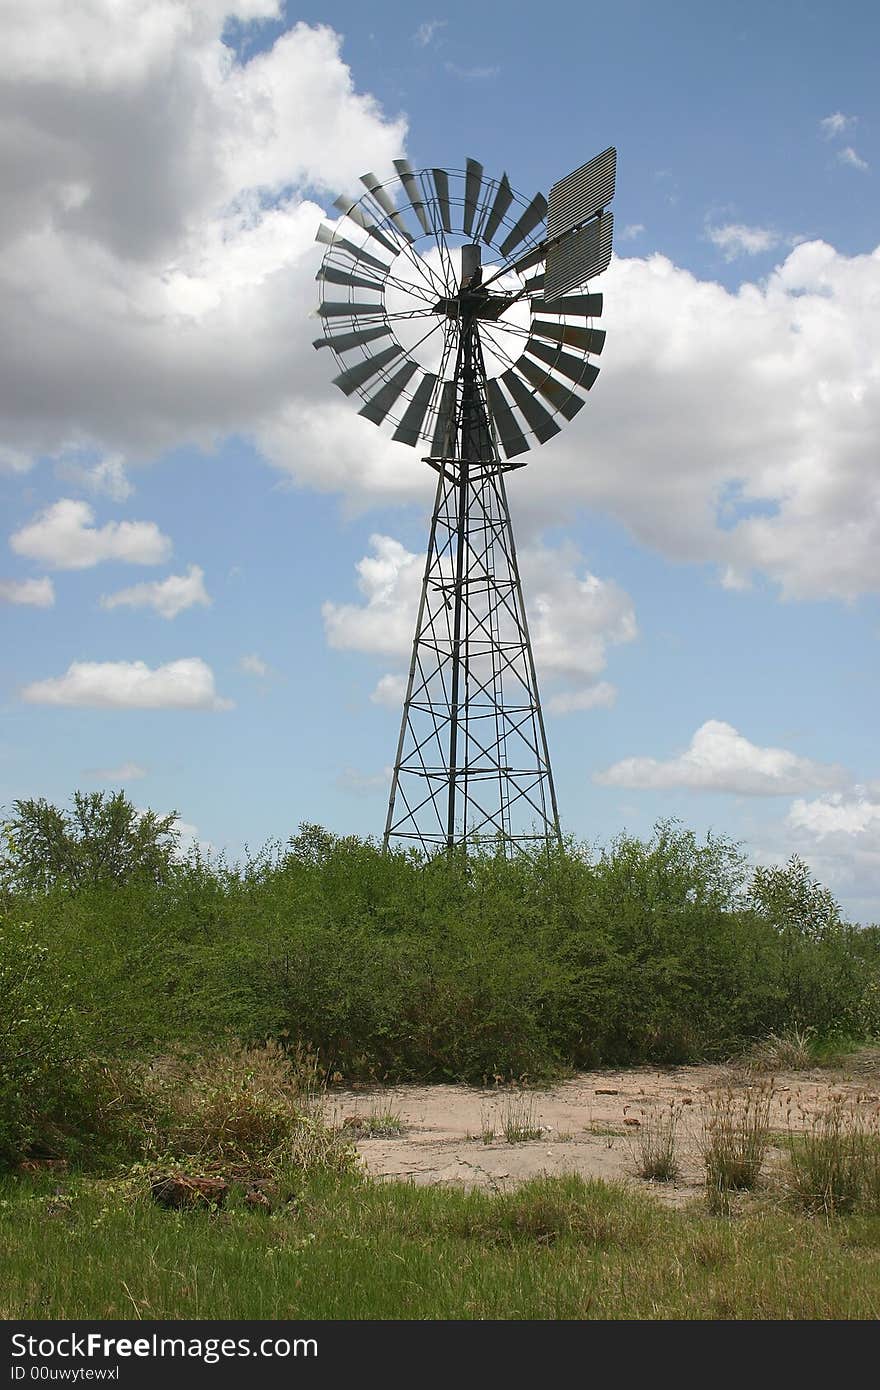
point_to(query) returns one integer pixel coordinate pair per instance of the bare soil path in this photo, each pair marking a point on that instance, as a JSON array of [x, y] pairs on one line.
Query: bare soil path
[[589, 1124]]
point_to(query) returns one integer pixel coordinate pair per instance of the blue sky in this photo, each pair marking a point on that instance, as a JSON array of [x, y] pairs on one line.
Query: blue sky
[[703, 540]]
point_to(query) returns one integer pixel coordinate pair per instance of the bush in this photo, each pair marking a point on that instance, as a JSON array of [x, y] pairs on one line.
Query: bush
[[458, 969], [102, 839], [57, 1099]]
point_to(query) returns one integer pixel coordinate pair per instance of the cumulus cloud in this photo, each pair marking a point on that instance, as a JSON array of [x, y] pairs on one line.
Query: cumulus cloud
[[735, 239], [849, 156], [190, 839], [837, 814], [733, 428], [159, 217], [106, 476], [719, 759], [836, 124], [599, 696], [389, 579], [37, 593], [254, 665], [126, 772], [184, 684], [167, 597], [389, 690], [839, 835], [64, 537], [573, 618], [166, 196]]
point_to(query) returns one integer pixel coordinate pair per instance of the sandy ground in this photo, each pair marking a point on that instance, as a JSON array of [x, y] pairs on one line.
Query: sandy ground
[[591, 1124]]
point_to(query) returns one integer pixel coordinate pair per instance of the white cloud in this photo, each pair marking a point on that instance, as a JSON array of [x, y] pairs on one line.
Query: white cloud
[[254, 665], [64, 537], [38, 593], [167, 597], [427, 31], [839, 836], [835, 124], [837, 814], [126, 772], [632, 230], [735, 239], [389, 690], [184, 684], [351, 779], [573, 617], [848, 156], [720, 759], [14, 460], [107, 476], [190, 839], [389, 579], [771, 391], [768, 393], [159, 213], [156, 213], [602, 695]]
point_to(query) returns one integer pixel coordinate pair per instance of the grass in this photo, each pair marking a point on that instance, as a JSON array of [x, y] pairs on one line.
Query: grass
[[800, 1049], [791, 1050], [378, 1124], [518, 1119], [515, 1119], [555, 1248], [736, 1135], [654, 1145], [834, 1163]]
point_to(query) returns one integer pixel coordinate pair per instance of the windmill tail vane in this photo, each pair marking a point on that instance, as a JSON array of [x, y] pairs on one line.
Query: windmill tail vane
[[462, 317]]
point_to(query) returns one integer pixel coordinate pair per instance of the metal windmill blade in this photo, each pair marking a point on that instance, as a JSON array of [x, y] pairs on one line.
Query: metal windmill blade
[[477, 351]]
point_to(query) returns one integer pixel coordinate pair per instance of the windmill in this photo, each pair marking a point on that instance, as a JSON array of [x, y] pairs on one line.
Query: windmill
[[459, 313]]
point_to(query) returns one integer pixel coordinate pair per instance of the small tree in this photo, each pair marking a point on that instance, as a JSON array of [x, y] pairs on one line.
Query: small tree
[[795, 901], [102, 839]]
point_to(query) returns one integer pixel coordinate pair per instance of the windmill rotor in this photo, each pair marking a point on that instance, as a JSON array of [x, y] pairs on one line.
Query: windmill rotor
[[394, 294], [460, 314]]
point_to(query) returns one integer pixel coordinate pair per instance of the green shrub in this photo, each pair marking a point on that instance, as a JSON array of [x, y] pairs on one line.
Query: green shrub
[[57, 1098], [391, 968]]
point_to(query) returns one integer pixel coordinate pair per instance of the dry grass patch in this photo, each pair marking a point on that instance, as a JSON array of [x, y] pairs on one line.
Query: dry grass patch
[[654, 1146], [834, 1161], [243, 1111], [736, 1135]]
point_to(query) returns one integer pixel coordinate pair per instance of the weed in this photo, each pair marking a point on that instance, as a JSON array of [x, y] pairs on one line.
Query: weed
[[736, 1133], [787, 1051], [243, 1110], [653, 1147], [518, 1119], [487, 1125], [834, 1163], [378, 1124]]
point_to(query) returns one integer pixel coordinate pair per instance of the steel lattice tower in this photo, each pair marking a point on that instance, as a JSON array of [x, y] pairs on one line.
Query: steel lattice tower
[[472, 760], [472, 764]]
